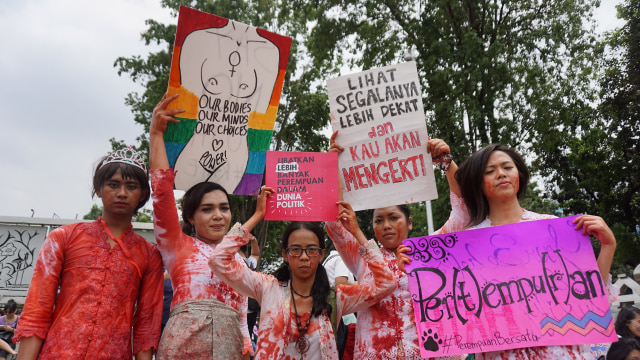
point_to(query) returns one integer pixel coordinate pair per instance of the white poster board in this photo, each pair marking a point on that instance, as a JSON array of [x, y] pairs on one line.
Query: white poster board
[[380, 121], [19, 249]]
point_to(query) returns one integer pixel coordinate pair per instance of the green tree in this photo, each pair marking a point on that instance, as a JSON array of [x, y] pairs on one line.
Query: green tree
[[503, 66], [303, 110], [596, 169], [94, 213], [144, 215], [506, 71]]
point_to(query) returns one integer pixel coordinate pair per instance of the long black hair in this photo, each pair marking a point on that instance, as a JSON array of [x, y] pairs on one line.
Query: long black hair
[[625, 316], [321, 288], [470, 176], [192, 199]]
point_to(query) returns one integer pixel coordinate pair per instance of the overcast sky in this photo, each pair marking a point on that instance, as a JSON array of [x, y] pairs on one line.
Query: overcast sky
[[61, 99]]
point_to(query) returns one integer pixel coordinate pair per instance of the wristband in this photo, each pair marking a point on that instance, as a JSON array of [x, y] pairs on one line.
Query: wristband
[[442, 161]]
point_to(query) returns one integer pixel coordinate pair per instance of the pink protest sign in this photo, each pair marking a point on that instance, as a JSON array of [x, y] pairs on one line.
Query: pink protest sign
[[529, 284], [306, 185]]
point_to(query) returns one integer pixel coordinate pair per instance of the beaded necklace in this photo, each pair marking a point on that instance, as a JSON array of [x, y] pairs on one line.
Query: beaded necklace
[[302, 344]]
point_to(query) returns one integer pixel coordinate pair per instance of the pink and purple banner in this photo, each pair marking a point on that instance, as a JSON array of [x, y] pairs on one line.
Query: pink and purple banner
[[306, 185], [528, 284]]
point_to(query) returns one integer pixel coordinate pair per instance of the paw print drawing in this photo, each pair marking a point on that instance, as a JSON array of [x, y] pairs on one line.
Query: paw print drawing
[[432, 342]]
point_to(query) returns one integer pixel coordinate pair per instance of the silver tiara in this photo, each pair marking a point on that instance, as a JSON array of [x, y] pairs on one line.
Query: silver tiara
[[126, 156]]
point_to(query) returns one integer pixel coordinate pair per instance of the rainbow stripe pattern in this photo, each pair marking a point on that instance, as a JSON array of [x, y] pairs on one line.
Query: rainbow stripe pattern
[[260, 125], [589, 322]]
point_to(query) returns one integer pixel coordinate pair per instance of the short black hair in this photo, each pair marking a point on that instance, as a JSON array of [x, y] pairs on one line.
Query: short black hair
[[104, 172], [192, 199], [11, 306], [470, 176], [402, 207]]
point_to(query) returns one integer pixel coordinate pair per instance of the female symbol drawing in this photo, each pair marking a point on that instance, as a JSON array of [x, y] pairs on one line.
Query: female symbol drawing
[[229, 76]]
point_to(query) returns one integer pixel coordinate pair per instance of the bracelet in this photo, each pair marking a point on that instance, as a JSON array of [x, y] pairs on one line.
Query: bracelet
[[442, 161]]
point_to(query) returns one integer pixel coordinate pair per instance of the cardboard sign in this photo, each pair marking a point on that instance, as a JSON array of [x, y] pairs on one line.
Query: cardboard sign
[[381, 125], [533, 283], [306, 186], [229, 76]]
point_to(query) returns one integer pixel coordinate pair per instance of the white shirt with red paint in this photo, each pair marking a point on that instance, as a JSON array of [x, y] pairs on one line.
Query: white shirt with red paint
[[386, 329], [277, 323], [186, 257]]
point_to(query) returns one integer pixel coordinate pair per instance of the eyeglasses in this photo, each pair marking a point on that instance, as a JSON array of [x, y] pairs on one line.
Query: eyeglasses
[[296, 251]]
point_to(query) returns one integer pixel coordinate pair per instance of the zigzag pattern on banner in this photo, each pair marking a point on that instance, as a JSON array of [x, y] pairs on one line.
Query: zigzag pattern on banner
[[590, 321]]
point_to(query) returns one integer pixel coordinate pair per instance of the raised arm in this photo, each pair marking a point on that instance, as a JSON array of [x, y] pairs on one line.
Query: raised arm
[[347, 238], [596, 226], [441, 157], [254, 249], [165, 220], [235, 273], [161, 116], [335, 147], [371, 288], [261, 208]]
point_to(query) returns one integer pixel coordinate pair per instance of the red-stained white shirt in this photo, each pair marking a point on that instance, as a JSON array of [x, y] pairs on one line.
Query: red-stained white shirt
[[277, 325], [95, 310], [387, 328], [186, 257]]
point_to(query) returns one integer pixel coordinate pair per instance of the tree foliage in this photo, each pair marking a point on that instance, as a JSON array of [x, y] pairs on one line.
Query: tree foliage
[[518, 72], [503, 66], [144, 215], [505, 71], [596, 167], [94, 213]]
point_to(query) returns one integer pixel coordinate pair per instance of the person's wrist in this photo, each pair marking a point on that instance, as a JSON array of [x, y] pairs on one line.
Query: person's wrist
[[156, 133], [443, 161]]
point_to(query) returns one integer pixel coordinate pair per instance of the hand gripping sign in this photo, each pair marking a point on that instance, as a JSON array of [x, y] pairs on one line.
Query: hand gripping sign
[[533, 283]]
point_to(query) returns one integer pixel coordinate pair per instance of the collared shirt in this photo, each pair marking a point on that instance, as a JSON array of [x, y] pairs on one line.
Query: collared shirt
[[99, 289]]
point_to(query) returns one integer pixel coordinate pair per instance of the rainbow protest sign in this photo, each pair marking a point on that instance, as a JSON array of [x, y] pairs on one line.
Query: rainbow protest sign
[[229, 76], [528, 284]]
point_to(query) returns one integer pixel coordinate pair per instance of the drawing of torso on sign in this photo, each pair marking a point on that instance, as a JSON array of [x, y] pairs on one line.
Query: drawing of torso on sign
[[232, 70]]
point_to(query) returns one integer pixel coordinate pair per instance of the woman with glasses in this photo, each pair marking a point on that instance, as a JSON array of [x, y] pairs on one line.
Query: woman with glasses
[[295, 315]]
